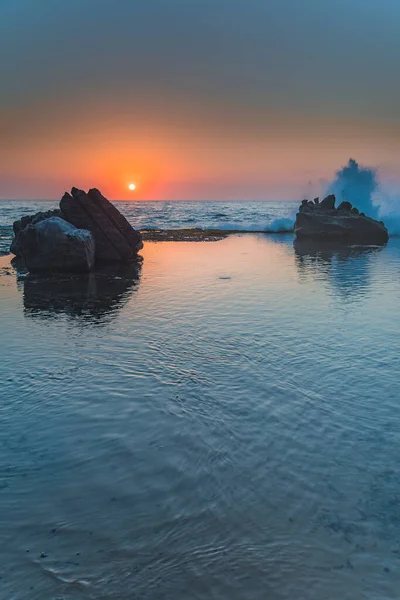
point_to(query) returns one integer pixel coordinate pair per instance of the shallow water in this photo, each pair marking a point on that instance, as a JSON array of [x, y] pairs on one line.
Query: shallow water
[[249, 216], [221, 423]]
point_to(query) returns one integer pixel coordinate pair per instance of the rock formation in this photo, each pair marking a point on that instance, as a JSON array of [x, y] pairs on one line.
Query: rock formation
[[115, 238], [54, 245], [322, 221], [89, 221], [19, 225]]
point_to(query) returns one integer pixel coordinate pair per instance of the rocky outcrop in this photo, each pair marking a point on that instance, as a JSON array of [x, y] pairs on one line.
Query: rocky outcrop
[[52, 244], [115, 238], [327, 203], [45, 241], [322, 221], [19, 225]]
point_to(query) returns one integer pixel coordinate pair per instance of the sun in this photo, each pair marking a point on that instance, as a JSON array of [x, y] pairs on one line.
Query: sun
[[132, 187]]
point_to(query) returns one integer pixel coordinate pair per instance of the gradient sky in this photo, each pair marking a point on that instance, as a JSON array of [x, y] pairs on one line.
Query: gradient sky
[[210, 99]]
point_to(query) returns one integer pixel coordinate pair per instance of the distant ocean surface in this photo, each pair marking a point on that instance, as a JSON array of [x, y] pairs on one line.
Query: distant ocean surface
[[249, 216]]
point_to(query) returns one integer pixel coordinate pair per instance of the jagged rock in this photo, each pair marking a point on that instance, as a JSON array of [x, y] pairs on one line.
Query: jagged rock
[[316, 200], [344, 224], [328, 203], [29, 219], [52, 244], [345, 206], [355, 211], [115, 238], [306, 206]]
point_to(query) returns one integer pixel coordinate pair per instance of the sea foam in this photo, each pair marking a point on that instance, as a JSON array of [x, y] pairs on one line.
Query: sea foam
[[361, 186]]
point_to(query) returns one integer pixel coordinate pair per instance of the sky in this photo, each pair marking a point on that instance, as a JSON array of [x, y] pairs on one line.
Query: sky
[[211, 99]]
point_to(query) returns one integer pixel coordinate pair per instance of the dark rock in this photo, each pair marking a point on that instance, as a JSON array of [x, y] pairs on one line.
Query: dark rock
[[115, 238], [316, 200], [306, 206], [28, 220], [344, 225], [355, 211], [328, 203], [14, 248], [55, 245], [345, 206]]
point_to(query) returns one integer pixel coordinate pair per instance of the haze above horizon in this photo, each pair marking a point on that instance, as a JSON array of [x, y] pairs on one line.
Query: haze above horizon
[[186, 101]]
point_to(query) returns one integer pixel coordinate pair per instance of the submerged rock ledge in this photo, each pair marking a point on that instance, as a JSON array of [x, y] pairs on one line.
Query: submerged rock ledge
[[200, 235]]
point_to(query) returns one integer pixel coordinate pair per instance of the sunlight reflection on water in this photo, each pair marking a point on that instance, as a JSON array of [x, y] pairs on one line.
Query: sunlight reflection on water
[[221, 423]]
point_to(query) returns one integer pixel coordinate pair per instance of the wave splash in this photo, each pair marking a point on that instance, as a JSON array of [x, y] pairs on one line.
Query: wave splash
[[278, 225], [283, 225], [360, 186]]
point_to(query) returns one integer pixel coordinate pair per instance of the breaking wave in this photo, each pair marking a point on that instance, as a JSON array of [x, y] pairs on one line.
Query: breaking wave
[[279, 225], [361, 186]]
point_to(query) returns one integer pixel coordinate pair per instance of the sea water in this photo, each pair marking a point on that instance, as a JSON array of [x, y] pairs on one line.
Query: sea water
[[221, 422], [250, 216]]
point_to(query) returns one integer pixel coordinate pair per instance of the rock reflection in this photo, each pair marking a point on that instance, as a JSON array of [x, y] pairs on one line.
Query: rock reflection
[[347, 268], [89, 297]]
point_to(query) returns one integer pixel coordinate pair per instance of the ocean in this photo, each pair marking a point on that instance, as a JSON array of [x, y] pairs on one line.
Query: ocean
[[250, 216], [220, 422]]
